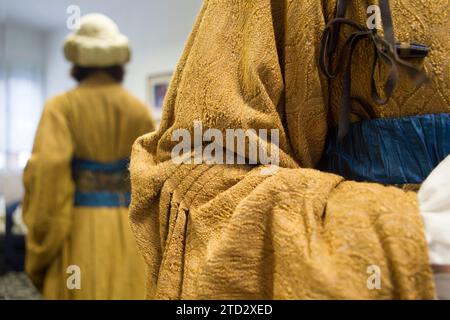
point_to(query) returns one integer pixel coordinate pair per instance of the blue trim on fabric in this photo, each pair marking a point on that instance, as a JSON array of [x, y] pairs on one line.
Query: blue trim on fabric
[[390, 150], [102, 199], [115, 166]]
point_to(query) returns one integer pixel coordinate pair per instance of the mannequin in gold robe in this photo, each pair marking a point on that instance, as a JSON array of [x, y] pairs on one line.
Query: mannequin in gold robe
[[229, 232], [84, 250]]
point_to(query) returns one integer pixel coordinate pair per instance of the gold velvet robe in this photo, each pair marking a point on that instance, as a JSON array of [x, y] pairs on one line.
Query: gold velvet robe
[[98, 121], [226, 231]]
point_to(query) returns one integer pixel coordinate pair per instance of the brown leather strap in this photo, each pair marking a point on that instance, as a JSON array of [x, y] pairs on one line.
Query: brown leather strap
[[341, 9], [385, 51], [441, 269], [386, 18]]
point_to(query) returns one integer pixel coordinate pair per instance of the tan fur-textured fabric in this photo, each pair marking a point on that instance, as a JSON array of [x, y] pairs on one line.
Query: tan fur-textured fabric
[[227, 231]]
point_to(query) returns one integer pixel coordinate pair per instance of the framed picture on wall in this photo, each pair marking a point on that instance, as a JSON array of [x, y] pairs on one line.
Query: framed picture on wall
[[157, 86]]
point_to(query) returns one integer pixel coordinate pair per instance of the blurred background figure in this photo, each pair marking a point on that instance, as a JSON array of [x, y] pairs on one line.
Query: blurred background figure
[[76, 187], [33, 70]]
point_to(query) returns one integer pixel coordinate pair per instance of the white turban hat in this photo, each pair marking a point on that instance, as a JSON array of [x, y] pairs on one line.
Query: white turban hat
[[97, 43]]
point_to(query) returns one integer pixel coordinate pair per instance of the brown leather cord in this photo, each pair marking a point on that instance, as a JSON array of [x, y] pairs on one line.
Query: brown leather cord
[[441, 269], [340, 13], [386, 18], [365, 111], [415, 187], [385, 50]]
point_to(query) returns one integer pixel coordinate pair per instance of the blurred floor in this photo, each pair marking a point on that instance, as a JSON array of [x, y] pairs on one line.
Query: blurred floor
[[17, 286], [442, 286]]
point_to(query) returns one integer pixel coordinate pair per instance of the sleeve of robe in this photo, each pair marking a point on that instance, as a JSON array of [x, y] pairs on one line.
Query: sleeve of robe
[[230, 232], [49, 191]]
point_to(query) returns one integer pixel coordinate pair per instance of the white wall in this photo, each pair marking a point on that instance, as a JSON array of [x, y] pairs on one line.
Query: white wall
[[157, 31], [24, 42], [57, 70], [20, 44]]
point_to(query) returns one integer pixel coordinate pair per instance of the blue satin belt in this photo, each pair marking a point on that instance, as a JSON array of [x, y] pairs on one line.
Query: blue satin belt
[[115, 166], [102, 199], [95, 194], [389, 151]]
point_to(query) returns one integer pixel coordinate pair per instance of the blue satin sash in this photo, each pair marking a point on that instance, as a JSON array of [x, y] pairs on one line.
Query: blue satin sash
[[389, 151], [97, 194]]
